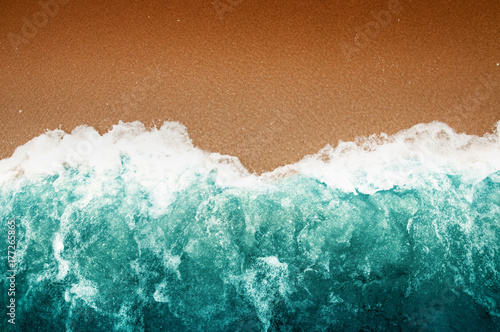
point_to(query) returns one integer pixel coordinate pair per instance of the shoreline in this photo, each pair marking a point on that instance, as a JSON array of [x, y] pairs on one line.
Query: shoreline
[[265, 82], [425, 143]]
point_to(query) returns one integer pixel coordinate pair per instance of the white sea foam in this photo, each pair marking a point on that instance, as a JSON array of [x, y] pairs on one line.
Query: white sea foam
[[381, 161], [166, 158], [58, 247]]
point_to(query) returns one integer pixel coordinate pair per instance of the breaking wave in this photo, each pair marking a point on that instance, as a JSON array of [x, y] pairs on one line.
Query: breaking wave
[[138, 230]]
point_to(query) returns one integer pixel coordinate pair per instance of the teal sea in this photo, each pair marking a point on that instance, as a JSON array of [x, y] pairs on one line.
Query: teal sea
[[138, 230]]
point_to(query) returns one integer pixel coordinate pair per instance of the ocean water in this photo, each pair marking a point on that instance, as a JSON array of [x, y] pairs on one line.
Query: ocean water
[[138, 230]]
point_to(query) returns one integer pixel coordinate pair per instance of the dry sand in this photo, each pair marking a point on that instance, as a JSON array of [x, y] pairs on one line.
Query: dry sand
[[267, 81]]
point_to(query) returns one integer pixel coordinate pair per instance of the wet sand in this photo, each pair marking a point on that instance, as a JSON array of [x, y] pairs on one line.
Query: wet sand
[[266, 81]]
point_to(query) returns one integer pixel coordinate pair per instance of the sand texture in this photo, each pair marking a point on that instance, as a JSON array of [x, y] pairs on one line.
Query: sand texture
[[266, 81]]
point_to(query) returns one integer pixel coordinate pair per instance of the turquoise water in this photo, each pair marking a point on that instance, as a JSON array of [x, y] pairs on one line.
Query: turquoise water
[[203, 247]]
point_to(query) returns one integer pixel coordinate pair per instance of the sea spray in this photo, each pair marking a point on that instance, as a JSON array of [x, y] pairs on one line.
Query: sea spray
[[145, 232]]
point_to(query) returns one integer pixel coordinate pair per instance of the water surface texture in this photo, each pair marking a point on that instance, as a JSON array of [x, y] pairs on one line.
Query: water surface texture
[[137, 230]]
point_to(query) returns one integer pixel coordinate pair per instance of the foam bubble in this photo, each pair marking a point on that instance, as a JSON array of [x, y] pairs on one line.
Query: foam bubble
[[58, 247], [84, 290]]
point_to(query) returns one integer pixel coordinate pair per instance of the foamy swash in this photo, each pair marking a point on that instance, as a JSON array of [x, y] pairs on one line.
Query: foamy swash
[[138, 230]]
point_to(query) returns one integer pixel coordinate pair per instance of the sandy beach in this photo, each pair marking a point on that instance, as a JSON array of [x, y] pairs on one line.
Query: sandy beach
[[266, 81]]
